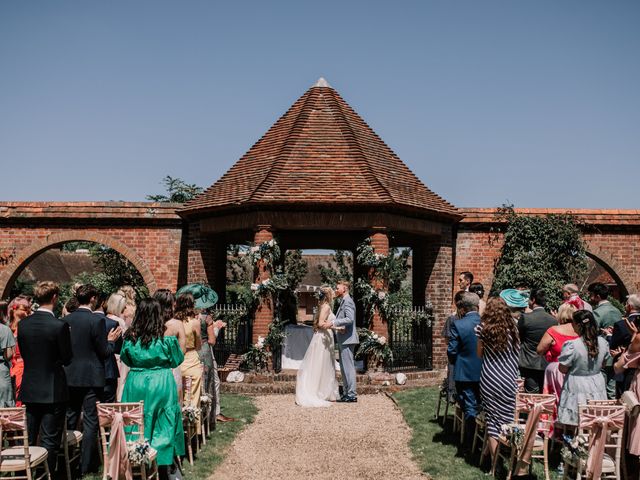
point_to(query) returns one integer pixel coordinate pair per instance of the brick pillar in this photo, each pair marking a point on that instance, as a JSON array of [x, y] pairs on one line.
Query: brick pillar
[[380, 243], [438, 268], [264, 312]]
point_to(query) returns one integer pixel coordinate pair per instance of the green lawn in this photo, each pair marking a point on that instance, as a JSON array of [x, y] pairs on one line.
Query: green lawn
[[212, 454], [435, 449]]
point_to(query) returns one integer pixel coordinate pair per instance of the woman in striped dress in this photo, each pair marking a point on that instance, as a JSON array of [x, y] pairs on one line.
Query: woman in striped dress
[[498, 346]]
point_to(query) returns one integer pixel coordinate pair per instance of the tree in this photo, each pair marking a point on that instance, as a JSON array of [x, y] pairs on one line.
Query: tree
[[178, 191], [540, 252], [295, 269]]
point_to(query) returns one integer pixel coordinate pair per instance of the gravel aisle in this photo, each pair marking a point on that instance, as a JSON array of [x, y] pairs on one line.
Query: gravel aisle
[[365, 440]]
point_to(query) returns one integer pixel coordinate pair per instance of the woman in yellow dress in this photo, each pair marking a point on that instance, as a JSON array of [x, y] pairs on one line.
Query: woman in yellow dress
[[192, 366]]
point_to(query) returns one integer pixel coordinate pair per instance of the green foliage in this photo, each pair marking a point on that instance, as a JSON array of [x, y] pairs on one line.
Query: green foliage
[[73, 246], [22, 287], [541, 252], [330, 274], [178, 191]]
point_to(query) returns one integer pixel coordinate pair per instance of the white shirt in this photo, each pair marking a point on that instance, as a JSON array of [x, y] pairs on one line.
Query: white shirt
[[42, 309]]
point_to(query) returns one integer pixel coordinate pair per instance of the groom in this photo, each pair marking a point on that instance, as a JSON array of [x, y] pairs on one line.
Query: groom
[[345, 323]]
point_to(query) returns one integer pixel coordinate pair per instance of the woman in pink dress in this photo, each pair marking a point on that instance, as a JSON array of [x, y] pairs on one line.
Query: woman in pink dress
[[550, 347], [19, 308]]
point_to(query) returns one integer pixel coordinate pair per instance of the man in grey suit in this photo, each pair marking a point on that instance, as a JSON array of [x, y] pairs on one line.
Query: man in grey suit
[[347, 336]]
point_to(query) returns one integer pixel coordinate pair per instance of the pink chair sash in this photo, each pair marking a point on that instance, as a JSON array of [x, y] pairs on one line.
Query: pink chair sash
[[599, 426], [633, 361], [536, 408], [118, 454], [10, 421]]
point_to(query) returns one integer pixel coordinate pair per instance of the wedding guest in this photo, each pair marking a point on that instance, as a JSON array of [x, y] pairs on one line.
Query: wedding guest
[[630, 360], [581, 361], [621, 339], [516, 300], [465, 280], [498, 346], [532, 327], [550, 347], [211, 385], [151, 355], [463, 353], [86, 374], [19, 308], [111, 371], [446, 333], [114, 307], [570, 295], [478, 289], [173, 328], [71, 306], [191, 366], [45, 345], [3, 311], [129, 293], [7, 349]]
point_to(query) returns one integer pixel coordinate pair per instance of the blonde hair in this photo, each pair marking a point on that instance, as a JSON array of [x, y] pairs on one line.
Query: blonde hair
[[325, 298], [565, 313], [116, 304]]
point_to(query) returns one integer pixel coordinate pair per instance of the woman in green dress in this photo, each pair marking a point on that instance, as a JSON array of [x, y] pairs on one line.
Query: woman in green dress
[[151, 356]]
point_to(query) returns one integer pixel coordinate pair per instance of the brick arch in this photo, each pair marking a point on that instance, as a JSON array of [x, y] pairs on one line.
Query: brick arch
[[612, 267], [24, 256]]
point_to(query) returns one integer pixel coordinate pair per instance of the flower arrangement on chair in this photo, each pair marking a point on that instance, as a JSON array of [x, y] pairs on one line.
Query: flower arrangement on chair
[[139, 452]]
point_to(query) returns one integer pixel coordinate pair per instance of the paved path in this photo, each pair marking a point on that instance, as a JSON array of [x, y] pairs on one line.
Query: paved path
[[366, 440]]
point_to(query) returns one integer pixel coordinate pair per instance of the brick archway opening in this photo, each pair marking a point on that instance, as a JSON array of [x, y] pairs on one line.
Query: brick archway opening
[[611, 268], [11, 272]]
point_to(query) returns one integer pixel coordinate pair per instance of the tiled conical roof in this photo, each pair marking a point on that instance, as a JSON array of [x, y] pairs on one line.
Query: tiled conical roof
[[320, 152]]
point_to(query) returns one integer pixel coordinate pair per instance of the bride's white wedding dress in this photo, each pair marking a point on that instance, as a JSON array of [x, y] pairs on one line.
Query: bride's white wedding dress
[[316, 384]]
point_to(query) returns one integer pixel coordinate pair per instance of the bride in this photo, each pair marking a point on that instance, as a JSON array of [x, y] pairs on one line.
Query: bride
[[316, 384]]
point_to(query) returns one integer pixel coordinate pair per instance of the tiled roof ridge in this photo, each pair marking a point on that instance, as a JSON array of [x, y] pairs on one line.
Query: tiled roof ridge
[[373, 180], [393, 154], [283, 152]]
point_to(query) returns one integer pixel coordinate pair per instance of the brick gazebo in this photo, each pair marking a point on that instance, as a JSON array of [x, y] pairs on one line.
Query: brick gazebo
[[321, 178]]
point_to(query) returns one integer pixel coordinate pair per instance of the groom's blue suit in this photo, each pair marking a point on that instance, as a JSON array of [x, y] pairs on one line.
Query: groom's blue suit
[[347, 341]]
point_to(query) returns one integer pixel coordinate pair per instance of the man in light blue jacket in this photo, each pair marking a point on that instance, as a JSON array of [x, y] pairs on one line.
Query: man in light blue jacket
[[347, 336]]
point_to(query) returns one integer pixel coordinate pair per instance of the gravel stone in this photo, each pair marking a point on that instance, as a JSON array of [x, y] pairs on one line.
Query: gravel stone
[[364, 440]]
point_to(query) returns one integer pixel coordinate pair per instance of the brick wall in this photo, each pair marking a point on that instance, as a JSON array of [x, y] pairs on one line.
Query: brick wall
[[155, 251]]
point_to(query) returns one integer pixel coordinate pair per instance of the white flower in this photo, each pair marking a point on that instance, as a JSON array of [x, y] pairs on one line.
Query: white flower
[[266, 282], [254, 249], [260, 343], [271, 242], [254, 287], [375, 336], [382, 340], [382, 294]]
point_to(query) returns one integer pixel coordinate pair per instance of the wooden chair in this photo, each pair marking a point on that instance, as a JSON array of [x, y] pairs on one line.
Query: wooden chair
[[20, 457], [540, 449], [206, 407], [190, 427], [481, 434], [458, 421], [134, 431], [70, 450], [443, 395], [612, 460]]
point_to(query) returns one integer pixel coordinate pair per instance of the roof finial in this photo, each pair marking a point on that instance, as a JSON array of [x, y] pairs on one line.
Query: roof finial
[[322, 83]]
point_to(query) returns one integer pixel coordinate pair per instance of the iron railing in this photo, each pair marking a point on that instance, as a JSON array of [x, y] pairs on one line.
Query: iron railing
[[235, 338], [411, 339]]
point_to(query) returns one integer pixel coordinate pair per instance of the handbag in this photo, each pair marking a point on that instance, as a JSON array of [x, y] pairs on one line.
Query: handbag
[[629, 400]]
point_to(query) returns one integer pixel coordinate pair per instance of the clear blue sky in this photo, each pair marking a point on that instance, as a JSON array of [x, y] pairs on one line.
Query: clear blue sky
[[532, 102]]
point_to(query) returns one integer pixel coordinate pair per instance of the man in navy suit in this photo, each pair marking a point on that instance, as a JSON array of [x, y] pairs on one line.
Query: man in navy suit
[[85, 375], [462, 353], [45, 346]]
